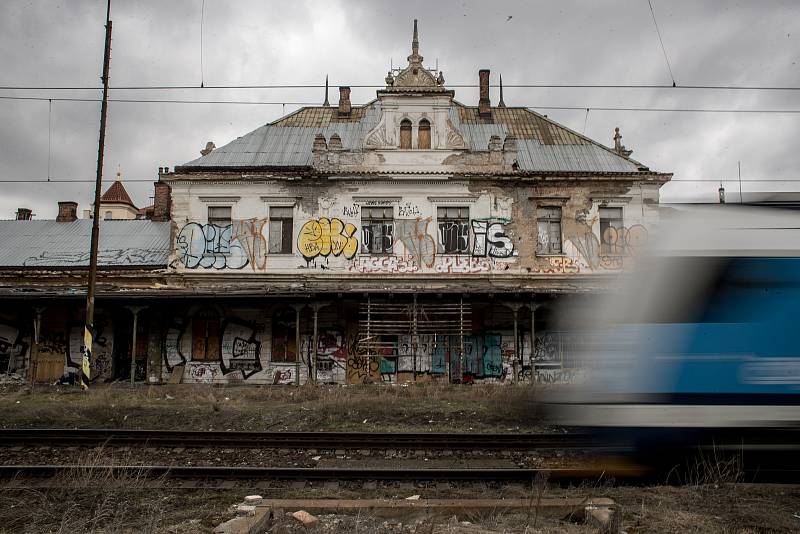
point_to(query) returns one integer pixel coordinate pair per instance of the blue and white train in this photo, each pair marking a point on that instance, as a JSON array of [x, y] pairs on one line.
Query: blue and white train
[[703, 339]]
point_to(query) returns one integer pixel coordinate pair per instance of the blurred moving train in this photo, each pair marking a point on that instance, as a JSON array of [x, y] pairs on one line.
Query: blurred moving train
[[703, 339]]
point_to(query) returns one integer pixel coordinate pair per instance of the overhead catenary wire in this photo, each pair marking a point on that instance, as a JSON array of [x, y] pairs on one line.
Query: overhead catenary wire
[[270, 103], [704, 87], [685, 180], [660, 40]]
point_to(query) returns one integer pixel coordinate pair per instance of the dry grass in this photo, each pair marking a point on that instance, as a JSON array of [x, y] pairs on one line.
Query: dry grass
[[425, 406]]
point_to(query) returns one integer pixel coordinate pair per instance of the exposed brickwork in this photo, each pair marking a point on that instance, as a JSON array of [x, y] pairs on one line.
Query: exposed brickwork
[[67, 211], [162, 202]]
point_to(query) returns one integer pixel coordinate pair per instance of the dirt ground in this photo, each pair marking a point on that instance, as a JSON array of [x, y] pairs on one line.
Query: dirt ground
[[434, 407], [97, 504]]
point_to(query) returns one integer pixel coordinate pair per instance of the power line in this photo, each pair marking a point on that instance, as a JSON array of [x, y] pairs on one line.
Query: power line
[[246, 102], [711, 87], [686, 181], [655, 23]]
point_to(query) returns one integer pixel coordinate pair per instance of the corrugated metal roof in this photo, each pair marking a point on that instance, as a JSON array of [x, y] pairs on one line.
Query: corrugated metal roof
[[282, 145], [137, 243], [543, 145]]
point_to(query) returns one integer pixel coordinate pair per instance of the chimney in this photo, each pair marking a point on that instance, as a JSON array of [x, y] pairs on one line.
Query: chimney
[[484, 106], [67, 211], [344, 101], [23, 214], [162, 201]]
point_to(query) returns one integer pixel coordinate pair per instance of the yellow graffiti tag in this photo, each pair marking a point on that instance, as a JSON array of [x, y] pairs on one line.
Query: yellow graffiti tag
[[324, 236]]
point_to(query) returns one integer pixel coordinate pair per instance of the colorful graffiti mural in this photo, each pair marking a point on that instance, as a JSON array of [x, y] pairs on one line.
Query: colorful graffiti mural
[[323, 237], [209, 246]]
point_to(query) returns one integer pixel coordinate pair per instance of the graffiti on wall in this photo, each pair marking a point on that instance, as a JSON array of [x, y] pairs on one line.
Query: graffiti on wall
[[239, 351], [413, 233], [12, 347], [209, 246], [323, 237], [491, 239], [558, 265], [612, 249]]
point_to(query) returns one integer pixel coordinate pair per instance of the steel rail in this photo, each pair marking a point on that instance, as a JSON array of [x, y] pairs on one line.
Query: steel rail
[[322, 473], [298, 440]]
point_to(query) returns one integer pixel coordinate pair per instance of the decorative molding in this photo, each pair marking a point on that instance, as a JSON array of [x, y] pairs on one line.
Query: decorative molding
[[225, 200], [285, 201], [373, 198], [453, 199], [600, 199], [550, 200]]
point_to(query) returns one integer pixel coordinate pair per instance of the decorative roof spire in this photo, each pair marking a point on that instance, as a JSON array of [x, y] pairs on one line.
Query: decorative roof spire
[[326, 103], [415, 40], [501, 104], [415, 59]]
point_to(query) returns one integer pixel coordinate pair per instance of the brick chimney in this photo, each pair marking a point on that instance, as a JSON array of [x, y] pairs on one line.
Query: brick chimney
[[67, 211], [24, 214], [484, 106], [344, 101], [162, 202]]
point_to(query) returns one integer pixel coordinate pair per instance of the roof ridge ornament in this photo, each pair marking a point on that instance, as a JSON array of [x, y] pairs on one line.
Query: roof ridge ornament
[[619, 148], [326, 103], [415, 76]]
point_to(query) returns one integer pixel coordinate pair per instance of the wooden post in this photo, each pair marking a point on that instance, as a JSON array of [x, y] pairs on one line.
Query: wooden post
[[135, 311], [297, 309]]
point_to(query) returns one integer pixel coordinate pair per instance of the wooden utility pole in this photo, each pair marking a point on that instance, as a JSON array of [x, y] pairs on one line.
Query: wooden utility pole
[[89, 326]]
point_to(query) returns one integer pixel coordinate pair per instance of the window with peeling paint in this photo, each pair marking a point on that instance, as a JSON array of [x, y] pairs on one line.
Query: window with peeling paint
[[453, 224], [205, 339], [548, 225], [280, 230]]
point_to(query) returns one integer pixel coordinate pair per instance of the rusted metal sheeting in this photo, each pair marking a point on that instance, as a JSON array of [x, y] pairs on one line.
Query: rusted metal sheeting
[[51, 244]]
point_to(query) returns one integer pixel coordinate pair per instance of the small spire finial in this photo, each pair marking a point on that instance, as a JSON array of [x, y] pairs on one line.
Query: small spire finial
[[326, 103], [501, 104], [415, 40]]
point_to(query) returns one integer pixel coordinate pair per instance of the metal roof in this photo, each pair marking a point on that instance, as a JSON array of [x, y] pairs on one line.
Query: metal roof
[[543, 145], [51, 244]]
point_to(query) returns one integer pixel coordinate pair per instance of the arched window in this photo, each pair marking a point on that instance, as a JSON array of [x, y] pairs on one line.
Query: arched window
[[405, 134], [424, 134], [108, 216]]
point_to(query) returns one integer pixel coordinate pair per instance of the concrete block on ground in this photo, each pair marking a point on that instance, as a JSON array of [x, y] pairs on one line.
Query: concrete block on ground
[[308, 520]]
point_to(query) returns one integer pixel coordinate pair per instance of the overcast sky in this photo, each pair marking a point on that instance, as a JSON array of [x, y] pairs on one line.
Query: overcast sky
[[50, 43]]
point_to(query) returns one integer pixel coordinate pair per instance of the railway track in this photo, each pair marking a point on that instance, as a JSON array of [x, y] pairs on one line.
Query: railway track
[[294, 440]]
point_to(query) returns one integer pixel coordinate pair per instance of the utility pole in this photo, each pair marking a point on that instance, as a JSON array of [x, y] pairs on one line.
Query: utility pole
[[89, 327]]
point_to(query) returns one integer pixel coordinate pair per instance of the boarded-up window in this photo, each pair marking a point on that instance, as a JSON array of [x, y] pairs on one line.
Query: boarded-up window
[[612, 238], [548, 223], [424, 134], [283, 336], [405, 134], [377, 230], [280, 230], [205, 339], [453, 223]]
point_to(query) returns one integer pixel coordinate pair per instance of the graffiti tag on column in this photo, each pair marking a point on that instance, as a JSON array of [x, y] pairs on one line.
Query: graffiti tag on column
[[209, 246], [323, 237], [491, 239]]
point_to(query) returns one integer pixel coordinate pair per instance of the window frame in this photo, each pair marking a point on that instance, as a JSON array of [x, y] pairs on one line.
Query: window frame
[[424, 125], [460, 218], [544, 214], [283, 328], [403, 124], [386, 220], [608, 249], [287, 230], [215, 220]]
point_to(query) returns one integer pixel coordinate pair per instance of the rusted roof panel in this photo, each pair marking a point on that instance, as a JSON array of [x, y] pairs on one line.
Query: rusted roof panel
[[65, 245], [543, 145]]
